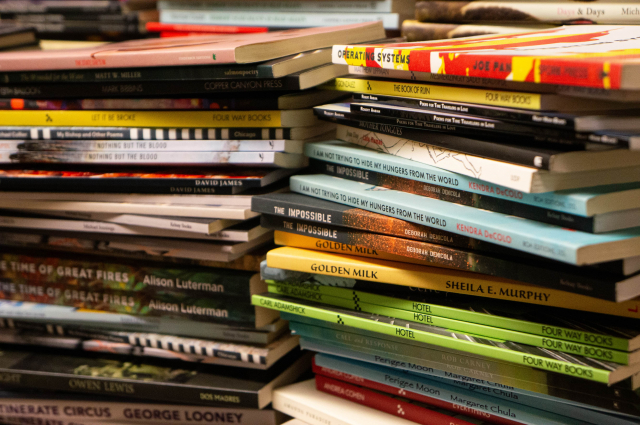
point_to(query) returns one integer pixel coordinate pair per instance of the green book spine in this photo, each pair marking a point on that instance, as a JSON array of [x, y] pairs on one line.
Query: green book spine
[[451, 325], [504, 354], [496, 321]]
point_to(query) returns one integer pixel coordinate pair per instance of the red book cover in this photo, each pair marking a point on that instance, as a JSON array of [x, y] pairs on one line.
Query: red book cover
[[393, 405], [210, 50], [595, 56], [331, 373], [214, 29]]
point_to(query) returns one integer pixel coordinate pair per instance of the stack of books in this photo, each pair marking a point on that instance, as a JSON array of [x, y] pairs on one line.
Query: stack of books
[[443, 265], [286, 14], [128, 249], [81, 19]]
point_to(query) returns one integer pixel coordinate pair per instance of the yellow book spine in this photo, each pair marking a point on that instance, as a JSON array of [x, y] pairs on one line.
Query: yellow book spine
[[431, 91], [441, 279], [307, 242], [166, 119]]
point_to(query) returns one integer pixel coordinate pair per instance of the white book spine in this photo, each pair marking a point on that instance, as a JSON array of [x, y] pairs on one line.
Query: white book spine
[[492, 171], [160, 145], [5, 156], [380, 6], [10, 145], [137, 157], [391, 21]]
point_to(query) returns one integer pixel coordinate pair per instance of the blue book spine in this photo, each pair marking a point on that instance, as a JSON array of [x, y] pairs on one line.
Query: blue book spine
[[513, 232], [574, 202], [508, 405]]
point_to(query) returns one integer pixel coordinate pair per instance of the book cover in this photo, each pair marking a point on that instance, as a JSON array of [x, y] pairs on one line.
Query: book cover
[[585, 281], [421, 31], [152, 181], [533, 320], [564, 56], [154, 381], [493, 335], [578, 248], [145, 158], [209, 50], [577, 366], [440, 279]]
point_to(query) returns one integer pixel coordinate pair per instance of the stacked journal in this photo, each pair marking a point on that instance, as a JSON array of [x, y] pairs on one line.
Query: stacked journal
[[469, 249], [128, 249]]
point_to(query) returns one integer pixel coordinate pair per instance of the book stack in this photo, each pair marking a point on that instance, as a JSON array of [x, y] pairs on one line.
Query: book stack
[[286, 14], [81, 19], [128, 249], [443, 278]]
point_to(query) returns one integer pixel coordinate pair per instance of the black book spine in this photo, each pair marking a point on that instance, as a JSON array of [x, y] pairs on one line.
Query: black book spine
[[441, 135], [119, 133], [148, 88], [571, 279], [152, 391], [83, 27], [60, 7], [179, 73], [128, 185], [456, 196], [538, 118]]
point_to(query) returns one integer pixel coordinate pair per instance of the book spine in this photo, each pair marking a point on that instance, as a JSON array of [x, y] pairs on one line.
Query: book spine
[[218, 103], [414, 131], [364, 220], [134, 157], [456, 196], [139, 412], [184, 346], [545, 363], [382, 6], [433, 92], [421, 31], [300, 410], [505, 11], [506, 405], [200, 29], [440, 179], [387, 404], [61, 7], [381, 137], [137, 119], [119, 133], [163, 304], [148, 88], [535, 118], [32, 270], [82, 27], [458, 368], [161, 392], [503, 234], [391, 21], [444, 280], [590, 283], [498, 335], [479, 127], [149, 145], [221, 72], [316, 292], [30, 313]]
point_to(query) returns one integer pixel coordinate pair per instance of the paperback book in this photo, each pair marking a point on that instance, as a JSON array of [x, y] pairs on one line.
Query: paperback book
[[578, 248], [564, 56], [576, 366], [153, 381]]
